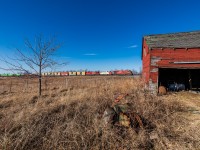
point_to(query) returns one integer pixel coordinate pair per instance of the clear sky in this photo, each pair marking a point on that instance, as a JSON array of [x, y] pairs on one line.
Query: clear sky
[[97, 34]]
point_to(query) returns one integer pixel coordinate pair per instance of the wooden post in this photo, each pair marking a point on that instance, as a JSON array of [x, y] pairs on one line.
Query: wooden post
[[10, 86], [190, 80], [2, 87], [66, 83], [45, 83], [26, 85]]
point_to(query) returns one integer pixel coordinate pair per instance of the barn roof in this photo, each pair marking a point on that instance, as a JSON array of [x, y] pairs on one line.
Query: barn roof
[[174, 40]]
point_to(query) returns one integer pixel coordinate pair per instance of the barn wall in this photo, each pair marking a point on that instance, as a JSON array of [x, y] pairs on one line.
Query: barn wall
[[145, 62], [164, 58]]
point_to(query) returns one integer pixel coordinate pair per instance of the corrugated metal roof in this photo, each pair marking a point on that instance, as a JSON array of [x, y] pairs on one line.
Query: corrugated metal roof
[[174, 40]]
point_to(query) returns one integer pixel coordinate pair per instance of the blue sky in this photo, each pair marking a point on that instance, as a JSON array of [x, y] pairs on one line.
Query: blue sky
[[96, 34]]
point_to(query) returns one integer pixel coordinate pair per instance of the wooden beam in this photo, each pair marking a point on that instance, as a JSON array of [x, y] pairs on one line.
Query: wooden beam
[[190, 80]]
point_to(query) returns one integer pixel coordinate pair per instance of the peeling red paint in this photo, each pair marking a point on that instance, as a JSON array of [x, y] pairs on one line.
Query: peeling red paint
[[165, 58]]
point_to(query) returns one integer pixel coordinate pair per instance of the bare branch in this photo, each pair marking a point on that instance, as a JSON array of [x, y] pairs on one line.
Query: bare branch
[[37, 58], [13, 67]]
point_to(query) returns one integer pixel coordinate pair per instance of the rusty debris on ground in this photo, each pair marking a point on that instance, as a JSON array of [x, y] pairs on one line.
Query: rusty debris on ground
[[120, 114]]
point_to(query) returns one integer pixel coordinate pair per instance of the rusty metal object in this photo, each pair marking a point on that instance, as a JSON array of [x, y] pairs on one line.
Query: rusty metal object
[[119, 97], [162, 90], [136, 120], [121, 114], [124, 120]]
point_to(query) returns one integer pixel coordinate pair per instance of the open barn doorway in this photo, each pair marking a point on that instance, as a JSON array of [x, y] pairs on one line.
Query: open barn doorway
[[189, 77]]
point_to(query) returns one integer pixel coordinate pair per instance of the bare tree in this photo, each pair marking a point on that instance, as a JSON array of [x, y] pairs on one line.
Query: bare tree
[[37, 57]]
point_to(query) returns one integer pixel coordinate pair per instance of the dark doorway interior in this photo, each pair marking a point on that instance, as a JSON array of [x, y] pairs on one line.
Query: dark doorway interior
[[189, 77]]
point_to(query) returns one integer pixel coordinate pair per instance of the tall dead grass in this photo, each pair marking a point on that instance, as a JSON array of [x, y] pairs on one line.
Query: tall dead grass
[[68, 116]]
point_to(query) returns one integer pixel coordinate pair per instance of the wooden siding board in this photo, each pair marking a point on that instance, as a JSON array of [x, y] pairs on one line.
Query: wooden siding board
[[145, 62], [165, 58], [169, 56]]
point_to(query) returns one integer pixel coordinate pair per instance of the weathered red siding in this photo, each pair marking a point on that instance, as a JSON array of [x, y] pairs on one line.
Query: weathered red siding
[[164, 58], [145, 61]]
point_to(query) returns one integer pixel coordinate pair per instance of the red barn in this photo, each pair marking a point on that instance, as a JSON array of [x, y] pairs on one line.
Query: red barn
[[168, 58]]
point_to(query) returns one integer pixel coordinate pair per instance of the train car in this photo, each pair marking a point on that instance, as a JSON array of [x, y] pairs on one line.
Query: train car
[[7, 75], [105, 73], [92, 73], [72, 73], [49, 73], [56, 73], [17, 75], [123, 72], [4, 75], [44, 74], [29, 75], [89, 73], [83, 73], [80, 73], [64, 73]]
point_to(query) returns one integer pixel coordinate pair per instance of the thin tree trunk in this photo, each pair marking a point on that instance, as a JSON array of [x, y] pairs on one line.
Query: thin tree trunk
[[40, 86], [40, 79], [40, 74]]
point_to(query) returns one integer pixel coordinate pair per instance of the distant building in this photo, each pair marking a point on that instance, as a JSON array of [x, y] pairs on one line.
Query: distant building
[[171, 58]]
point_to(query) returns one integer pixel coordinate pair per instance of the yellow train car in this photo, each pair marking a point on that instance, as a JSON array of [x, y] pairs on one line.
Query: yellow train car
[[80, 73], [56, 73], [72, 73]]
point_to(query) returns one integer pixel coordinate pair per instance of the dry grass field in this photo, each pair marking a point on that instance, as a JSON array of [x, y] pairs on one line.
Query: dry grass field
[[68, 115]]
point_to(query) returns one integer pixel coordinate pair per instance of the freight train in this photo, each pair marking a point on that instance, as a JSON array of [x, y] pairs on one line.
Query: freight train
[[9, 75], [90, 73], [76, 73]]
